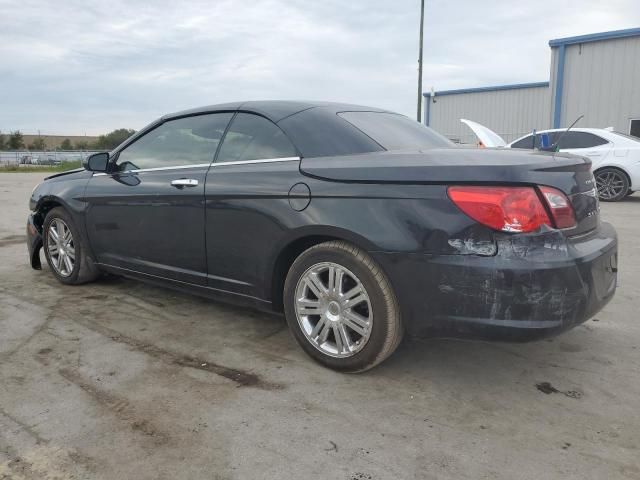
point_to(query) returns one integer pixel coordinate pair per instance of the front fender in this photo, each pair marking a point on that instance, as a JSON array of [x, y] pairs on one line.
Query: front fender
[[34, 243], [67, 192]]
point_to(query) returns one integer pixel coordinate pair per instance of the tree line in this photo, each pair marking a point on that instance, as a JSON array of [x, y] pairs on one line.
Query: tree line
[[15, 141]]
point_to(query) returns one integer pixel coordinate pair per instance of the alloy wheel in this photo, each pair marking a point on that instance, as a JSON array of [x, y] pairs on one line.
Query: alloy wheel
[[61, 247], [610, 184], [333, 309]]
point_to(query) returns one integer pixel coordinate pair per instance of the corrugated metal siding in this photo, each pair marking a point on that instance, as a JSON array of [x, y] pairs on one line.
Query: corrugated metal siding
[[602, 82], [510, 113]]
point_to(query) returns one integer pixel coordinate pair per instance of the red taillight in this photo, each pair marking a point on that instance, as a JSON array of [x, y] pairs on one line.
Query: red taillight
[[559, 206], [513, 209]]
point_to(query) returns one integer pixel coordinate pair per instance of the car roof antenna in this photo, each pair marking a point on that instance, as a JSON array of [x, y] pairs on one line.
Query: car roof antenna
[[554, 147]]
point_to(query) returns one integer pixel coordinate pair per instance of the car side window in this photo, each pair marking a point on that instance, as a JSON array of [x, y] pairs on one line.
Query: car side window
[[581, 140], [252, 137], [184, 141], [526, 142]]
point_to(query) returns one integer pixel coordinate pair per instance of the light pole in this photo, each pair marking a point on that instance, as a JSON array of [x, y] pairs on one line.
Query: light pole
[[419, 115]]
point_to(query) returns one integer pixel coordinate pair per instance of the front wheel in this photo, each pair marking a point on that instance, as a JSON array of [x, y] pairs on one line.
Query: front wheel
[[341, 308], [64, 249], [613, 184]]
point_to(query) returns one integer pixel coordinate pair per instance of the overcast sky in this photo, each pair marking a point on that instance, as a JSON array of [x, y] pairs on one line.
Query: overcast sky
[[87, 67]]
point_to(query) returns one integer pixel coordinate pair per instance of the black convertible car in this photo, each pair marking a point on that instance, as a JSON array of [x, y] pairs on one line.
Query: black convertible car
[[359, 223]]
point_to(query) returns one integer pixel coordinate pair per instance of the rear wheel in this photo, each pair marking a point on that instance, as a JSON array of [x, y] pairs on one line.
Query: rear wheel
[[612, 184], [340, 307], [64, 249]]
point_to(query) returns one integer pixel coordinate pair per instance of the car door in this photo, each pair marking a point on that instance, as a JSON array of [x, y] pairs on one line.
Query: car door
[[146, 214], [248, 209], [585, 144]]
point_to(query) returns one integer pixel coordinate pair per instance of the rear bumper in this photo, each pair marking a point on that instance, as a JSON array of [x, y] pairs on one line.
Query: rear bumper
[[534, 286], [34, 243]]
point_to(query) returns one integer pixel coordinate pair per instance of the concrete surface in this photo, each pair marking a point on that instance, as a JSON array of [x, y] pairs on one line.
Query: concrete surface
[[118, 379]]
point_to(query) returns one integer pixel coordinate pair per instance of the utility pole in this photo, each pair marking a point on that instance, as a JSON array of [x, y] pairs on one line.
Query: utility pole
[[419, 116]]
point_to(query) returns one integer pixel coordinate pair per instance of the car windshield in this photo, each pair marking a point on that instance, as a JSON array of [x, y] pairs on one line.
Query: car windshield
[[395, 132]]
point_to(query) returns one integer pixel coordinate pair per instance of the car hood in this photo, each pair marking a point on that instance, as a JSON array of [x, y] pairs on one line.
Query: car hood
[[488, 137], [73, 172]]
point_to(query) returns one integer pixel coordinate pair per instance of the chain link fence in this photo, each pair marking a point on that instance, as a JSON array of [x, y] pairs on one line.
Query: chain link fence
[[27, 158]]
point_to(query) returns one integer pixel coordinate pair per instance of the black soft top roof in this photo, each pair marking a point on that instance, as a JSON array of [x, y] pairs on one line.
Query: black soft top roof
[[274, 110], [313, 127]]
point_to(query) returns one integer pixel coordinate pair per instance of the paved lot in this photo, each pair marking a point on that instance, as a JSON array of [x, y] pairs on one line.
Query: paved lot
[[118, 379]]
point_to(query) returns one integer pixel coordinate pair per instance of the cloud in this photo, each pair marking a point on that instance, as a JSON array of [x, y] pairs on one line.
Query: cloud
[[90, 66]]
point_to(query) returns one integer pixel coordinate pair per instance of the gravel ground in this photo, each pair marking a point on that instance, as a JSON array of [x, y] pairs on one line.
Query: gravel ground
[[118, 379]]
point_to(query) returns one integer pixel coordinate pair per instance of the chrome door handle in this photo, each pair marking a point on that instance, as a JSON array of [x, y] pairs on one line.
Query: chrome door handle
[[184, 182]]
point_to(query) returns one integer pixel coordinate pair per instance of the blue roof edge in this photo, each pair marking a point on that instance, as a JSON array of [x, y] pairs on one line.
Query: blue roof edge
[[594, 37], [494, 88]]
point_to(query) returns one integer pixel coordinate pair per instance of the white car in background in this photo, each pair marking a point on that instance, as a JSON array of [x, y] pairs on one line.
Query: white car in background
[[615, 157]]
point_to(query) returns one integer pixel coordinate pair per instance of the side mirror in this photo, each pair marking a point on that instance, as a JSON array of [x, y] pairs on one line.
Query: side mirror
[[97, 162]]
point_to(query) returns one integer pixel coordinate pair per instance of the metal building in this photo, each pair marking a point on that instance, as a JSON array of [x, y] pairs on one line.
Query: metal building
[[595, 75]]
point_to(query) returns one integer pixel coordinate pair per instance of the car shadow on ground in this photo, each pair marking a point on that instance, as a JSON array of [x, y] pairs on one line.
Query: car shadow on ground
[[208, 328]]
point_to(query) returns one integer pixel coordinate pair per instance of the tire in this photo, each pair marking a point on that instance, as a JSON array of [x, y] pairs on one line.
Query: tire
[[612, 183], [59, 221], [370, 316]]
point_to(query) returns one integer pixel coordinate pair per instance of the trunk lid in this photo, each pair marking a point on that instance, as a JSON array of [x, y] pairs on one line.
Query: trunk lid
[[458, 166]]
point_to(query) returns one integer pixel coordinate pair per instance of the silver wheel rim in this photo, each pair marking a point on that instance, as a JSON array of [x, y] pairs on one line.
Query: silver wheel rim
[[61, 248], [610, 184], [333, 310]]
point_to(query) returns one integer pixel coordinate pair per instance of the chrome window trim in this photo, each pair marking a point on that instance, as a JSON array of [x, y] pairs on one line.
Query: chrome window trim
[[262, 160], [203, 165], [157, 169]]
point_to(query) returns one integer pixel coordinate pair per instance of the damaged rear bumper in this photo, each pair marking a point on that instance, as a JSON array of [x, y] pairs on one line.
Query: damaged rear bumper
[[535, 285], [34, 243]]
